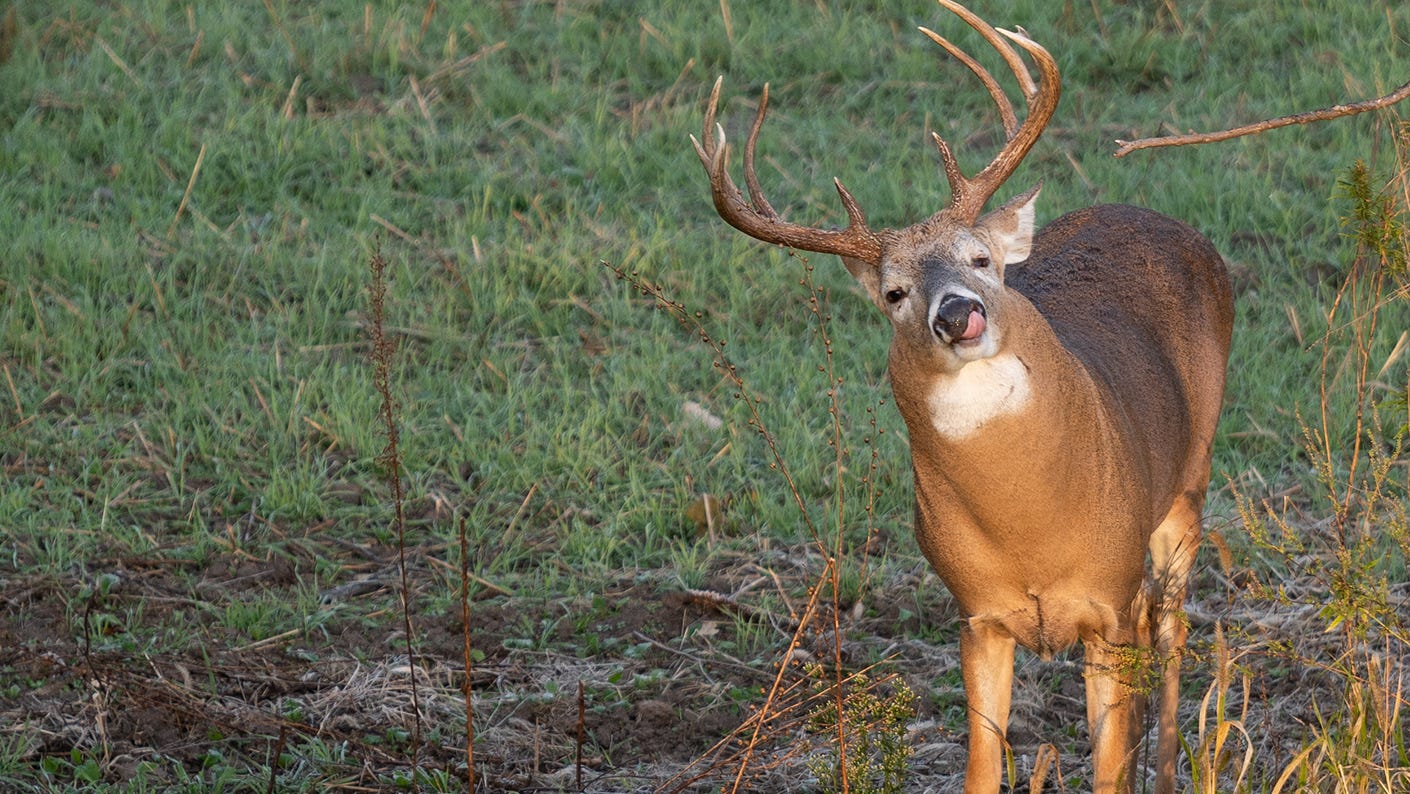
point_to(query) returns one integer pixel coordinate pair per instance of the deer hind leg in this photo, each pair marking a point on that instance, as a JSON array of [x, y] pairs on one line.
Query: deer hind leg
[[986, 663], [1173, 547]]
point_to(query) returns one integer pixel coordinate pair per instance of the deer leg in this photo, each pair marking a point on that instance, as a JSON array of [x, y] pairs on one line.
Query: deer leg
[[1113, 708], [1173, 547], [986, 663]]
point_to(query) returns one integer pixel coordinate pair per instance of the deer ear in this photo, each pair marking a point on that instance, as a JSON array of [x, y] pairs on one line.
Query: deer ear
[[868, 275], [1010, 227]]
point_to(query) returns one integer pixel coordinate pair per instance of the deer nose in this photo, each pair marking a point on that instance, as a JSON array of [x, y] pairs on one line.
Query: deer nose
[[958, 318]]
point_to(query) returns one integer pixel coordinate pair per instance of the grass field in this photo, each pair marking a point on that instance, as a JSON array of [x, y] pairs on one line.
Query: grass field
[[199, 588]]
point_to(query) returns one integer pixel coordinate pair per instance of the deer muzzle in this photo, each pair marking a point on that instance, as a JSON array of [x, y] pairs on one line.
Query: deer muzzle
[[959, 318]]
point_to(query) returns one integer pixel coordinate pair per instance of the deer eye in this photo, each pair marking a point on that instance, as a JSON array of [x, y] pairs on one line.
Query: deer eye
[[894, 296], [980, 260]]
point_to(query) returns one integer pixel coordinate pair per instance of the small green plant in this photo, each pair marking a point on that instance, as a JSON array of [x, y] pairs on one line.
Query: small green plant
[[865, 723], [78, 767]]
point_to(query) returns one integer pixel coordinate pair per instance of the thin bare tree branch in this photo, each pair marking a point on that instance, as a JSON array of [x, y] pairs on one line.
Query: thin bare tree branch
[[1126, 147]]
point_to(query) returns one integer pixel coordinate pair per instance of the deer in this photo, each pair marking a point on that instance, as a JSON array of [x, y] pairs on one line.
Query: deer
[[1060, 390]]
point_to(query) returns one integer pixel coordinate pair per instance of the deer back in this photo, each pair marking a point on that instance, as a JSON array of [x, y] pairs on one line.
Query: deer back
[[1143, 302]]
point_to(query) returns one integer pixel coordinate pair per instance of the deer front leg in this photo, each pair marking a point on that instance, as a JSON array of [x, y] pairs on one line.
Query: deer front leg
[[986, 663], [1113, 716]]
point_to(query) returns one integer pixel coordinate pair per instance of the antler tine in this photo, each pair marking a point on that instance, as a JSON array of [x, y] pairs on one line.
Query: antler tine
[[716, 158], [995, 91], [959, 183], [968, 195], [1025, 80], [705, 147], [1047, 67], [757, 217], [1043, 100], [751, 178]]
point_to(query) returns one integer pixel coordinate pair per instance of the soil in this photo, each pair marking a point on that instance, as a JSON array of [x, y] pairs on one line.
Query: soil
[[642, 686]]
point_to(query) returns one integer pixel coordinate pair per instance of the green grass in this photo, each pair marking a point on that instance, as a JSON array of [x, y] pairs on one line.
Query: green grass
[[185, 383]]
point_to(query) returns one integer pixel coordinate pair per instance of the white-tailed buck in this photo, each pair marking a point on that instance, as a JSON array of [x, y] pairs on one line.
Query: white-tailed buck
[[1061, 391]]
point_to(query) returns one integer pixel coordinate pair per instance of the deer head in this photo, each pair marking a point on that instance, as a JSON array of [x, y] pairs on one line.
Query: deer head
[[939, 281]]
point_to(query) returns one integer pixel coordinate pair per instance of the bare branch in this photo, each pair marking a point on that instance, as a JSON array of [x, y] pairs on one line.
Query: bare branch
[[1336, 111]]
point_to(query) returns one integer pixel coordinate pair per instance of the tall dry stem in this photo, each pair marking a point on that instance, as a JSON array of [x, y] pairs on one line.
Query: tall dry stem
[[383, 361]]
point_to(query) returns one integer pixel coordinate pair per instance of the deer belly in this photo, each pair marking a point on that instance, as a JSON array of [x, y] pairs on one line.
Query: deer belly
[[1046, 624], [1048, 594]]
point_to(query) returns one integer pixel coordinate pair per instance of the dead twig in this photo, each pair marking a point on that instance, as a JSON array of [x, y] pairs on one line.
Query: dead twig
[[582, 711], [721, 660], [1124, 148], [726, 603]]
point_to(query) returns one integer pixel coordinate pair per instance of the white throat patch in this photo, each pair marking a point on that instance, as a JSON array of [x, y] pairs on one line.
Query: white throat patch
[[981, 390]]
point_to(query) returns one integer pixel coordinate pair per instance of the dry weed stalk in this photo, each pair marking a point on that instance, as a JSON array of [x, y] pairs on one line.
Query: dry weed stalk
[[469, 660], [383, 358], [1046, 762], [1212, 752]]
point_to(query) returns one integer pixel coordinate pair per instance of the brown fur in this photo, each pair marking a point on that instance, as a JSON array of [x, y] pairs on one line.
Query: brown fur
[[1040, 521]]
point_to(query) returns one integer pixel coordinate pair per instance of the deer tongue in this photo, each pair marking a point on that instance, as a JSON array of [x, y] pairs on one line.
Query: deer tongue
[[974, 328]]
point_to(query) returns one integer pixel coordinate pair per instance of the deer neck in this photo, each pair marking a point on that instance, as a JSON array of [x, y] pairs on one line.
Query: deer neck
[[1011, 415]]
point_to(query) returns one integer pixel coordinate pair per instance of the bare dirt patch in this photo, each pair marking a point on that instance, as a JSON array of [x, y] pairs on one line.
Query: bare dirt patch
[[619, 688], [641, 686]]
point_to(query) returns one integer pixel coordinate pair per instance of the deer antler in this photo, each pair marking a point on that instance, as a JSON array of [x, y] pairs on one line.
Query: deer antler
[[968, 195], [756, 217]]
